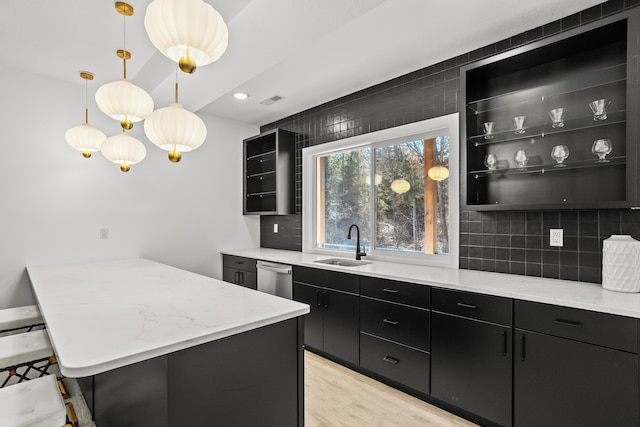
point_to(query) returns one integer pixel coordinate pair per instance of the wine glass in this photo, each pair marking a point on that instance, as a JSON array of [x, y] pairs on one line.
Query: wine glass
[[488, 129], [559, 153], [521, 159], [556, 117], [599, 108], [491, 161], [518, 123], [601, 147]]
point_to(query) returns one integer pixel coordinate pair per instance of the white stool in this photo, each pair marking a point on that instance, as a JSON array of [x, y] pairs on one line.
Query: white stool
[[36, 403], [20, 318], [28, 351]]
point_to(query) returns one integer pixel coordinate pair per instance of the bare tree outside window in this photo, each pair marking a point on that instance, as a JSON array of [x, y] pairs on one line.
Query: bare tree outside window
[[410, 216]]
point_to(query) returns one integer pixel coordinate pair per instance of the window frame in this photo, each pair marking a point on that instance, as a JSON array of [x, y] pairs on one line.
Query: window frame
[[426, 129]]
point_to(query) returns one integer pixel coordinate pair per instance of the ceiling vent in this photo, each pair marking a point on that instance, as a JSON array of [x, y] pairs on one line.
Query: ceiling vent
[[272, 100]]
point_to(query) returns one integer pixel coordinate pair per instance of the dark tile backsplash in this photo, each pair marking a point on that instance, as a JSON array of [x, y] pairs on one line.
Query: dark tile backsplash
[[289, 235], [508, 242], [518, 242]]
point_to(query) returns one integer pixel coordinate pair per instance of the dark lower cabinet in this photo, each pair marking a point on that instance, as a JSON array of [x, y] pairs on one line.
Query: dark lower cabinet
[[240, 271], [397, 362], [394, 331], [471, 366], [313, 324], [560, 382], [574, 367], [471, 353], [332, 326]]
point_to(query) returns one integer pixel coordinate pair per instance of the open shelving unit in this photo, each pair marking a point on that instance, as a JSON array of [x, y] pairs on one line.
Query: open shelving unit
[[569, 71], [268, 173]]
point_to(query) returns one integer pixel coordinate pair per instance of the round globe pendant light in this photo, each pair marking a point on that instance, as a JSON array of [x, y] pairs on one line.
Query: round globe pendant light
[[438, 173], [124, 150], [85, 137], [189, 32], [400, 186], [175, 129], [122, 100]]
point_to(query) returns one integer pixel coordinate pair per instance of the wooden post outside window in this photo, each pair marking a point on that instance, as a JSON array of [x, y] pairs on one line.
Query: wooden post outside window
[[430, 199]]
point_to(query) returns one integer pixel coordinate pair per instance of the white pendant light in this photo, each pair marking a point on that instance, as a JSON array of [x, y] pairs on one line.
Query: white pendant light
[[400, 186], [189, 32], [438, 173], [175, 129], [85, 137], [122, 100], [124, 150]]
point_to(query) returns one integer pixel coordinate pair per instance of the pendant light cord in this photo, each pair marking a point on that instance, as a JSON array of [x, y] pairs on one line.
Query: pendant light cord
[[86, 101], [176, 83], [124, 43]]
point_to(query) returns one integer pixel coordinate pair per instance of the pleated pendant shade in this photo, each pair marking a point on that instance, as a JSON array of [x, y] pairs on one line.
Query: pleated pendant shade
[[189, 32]]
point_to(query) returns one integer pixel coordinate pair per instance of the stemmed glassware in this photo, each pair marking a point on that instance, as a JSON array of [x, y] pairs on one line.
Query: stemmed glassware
[[488, 127], [521, 159], [599, 108], [518, 123], [556, 115], [559, 153], [491, 161], [601, 147]]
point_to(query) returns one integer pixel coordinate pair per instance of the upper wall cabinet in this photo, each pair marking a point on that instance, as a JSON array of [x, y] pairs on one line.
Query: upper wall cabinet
[[553, 125], [269, 173]]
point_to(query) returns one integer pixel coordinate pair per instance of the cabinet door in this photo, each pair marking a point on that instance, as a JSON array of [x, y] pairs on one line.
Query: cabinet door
[[312, 321], [341, 325], [239, 277], [471, 366], [560, 382]]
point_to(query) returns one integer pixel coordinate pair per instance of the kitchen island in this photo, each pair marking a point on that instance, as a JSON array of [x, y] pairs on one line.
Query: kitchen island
[[153, 345]]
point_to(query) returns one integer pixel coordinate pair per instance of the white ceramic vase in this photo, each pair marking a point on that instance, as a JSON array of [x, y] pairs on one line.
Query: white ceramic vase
[[621, 264]]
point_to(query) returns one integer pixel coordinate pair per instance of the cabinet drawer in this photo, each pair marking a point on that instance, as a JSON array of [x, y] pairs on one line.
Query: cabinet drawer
[[406, 325], [239, 263], [396, 362], [474, 306], [603, 329], [391, 290], [327, 279]]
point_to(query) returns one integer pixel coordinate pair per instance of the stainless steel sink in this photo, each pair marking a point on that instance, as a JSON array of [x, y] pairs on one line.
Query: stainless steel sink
[[342, 262]]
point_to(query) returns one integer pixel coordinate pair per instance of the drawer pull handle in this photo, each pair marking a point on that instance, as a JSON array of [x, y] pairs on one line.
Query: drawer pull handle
[[504, 343], [568, 323], [390, 322], [318, 298], [465, 305], [522, 348], [390, 291], [391, 360]]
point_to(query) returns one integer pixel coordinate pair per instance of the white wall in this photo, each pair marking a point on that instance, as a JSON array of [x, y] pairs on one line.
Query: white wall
[[54, 201]]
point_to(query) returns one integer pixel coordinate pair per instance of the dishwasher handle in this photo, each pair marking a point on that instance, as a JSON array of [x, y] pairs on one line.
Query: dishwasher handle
[[272, 266]]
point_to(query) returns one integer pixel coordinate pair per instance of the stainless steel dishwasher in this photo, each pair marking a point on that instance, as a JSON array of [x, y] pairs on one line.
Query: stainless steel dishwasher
[[275, 279]]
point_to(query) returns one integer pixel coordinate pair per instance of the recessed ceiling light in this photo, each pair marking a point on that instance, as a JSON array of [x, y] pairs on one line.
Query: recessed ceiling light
[[240, 95]]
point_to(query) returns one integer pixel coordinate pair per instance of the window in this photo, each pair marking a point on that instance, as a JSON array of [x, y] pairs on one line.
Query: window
[[380, 181]]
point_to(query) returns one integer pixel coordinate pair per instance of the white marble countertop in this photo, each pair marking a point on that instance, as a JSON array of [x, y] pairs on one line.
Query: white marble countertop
[[104, 315], [566, 293]]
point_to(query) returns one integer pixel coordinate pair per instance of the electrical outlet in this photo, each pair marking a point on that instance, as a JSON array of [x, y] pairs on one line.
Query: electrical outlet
[[555, 237], [275, 228], [104, 233]]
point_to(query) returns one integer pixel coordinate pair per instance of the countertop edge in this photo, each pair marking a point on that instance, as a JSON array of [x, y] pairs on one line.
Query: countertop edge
[[89, 370], [571, 294], [94, 364]]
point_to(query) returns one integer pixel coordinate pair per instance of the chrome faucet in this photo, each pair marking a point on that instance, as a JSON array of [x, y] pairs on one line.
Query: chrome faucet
[[358, 253]]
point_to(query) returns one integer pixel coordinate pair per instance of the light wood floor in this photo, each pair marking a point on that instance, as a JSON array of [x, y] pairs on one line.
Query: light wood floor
[[337, 396]]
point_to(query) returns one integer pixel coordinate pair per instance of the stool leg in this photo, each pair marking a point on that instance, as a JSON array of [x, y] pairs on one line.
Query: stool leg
[[73, 418], [63, 389]]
